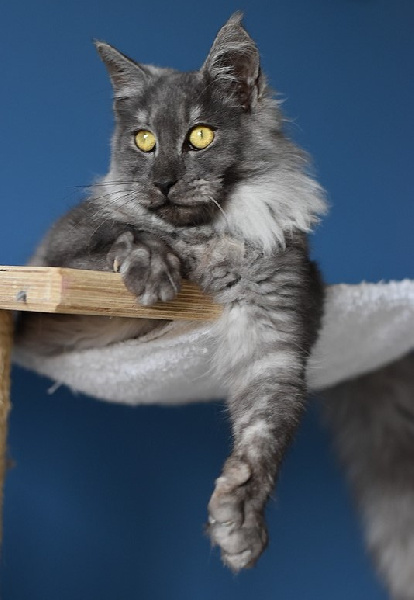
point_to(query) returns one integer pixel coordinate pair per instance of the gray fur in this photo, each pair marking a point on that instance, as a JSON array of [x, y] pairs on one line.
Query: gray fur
[[373, 421], [234, 221]]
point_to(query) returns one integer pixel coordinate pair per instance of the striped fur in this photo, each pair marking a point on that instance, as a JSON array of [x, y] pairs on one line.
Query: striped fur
[[263, 340]]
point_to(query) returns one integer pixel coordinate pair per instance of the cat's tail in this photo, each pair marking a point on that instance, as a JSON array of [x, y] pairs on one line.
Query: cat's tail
[[373, 421]]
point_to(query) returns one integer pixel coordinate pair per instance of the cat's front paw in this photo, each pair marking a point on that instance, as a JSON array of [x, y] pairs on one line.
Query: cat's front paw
[[217, 268], [149, 268], [236, 521]]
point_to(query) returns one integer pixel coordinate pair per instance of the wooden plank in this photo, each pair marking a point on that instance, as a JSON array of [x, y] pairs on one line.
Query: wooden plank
[[75, 291]]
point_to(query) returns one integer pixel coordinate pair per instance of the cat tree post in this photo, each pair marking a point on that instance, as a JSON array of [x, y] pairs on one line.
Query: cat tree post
[[6, 328]]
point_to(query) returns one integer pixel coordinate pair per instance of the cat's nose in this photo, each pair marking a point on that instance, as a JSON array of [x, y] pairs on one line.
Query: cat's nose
[[165, 185]]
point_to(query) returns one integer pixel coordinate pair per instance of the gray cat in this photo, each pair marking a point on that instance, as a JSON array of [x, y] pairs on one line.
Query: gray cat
[[203, 184]]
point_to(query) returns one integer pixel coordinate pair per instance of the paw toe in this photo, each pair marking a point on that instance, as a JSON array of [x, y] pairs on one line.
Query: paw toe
[[239, 561], [225, 509], [167, 293], [148, 298]]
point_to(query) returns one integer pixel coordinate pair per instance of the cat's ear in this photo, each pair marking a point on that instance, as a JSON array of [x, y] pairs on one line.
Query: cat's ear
[[127, 77], [234, 63]]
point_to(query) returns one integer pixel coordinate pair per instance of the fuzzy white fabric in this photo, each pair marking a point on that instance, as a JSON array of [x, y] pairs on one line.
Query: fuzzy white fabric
[[365, 327]]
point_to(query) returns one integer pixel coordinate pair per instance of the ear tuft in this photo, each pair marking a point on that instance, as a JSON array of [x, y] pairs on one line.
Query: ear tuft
[[127, 76], [233, 62]]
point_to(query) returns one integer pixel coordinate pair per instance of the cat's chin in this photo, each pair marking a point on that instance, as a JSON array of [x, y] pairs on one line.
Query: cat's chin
[[184, 215]]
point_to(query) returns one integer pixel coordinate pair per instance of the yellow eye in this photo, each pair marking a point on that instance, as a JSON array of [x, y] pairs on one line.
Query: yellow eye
[[201, 136], [145, 140]]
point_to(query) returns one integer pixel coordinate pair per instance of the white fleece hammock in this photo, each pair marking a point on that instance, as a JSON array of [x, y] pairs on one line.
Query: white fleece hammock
[[365, 327]]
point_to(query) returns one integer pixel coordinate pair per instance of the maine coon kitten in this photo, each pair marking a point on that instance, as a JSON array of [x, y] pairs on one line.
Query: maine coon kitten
[[203, 184]]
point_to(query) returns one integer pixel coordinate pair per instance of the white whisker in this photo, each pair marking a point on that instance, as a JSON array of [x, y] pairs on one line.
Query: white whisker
[[218, 206]]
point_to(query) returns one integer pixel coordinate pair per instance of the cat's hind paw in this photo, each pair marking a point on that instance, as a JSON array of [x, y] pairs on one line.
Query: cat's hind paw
[[149, 268], [236, 523]]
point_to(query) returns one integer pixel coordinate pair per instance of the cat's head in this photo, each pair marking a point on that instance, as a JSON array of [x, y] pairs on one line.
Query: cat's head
[[183, 140]]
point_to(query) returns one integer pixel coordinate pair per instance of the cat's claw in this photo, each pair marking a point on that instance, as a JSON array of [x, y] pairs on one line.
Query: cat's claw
[[236, 522], [149, 268], [116, 266]]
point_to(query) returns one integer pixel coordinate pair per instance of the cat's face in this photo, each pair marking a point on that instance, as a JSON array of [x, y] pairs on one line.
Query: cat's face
[[183, 140], [179, 180]]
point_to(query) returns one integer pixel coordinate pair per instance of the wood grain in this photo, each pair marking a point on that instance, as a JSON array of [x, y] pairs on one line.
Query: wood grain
[[75, 291]]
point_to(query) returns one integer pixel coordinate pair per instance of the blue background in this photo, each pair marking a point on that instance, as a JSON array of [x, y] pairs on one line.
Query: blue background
[[108, 501]]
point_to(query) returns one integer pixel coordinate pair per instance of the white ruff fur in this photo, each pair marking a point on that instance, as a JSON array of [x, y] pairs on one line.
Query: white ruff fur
[[265, 210]]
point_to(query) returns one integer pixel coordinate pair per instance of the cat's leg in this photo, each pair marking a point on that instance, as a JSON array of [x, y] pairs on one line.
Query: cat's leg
[[150, 270], [266, 400], [86, 238], [272, 311]]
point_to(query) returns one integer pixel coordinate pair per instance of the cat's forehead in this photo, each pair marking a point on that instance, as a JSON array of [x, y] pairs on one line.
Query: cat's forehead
[[171, 97]]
